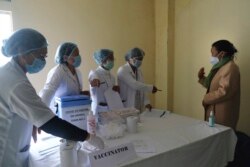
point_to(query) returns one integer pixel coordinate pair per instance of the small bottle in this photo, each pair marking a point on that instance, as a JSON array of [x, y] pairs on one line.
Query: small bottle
[[91, 123], [68, 153], [211, 119]]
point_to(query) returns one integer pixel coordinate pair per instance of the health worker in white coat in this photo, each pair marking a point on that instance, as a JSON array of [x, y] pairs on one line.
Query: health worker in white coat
[[21, 107], [130, 79], [65, 79], [101, 80]]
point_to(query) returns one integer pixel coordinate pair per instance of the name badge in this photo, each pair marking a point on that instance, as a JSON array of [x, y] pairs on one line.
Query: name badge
[[112, 157]]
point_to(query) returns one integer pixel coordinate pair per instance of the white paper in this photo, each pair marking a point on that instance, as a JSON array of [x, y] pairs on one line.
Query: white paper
[[111, 157], [113, 99]]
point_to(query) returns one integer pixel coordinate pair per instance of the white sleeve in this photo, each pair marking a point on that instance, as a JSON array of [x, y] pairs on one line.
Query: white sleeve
[[146, 99], [27, 104], [93, 75], [126, 77], [52, 84], [79, 76]]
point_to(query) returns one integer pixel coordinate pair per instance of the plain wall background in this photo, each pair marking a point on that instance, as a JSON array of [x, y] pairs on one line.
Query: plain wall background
[[175, 34], [92, 24], [190, 27], [198, 23]]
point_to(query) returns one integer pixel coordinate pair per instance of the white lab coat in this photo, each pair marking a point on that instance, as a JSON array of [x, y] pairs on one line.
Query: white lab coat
[[60, 82], [129, 85], [20, 109], [107, 81]]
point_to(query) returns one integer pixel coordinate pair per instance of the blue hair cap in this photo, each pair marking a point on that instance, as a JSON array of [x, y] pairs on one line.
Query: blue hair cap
[[65, 49], [135, 52], [101, 55], [23, 41]]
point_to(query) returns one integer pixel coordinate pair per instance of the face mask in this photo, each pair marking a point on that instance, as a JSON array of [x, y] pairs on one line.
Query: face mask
[[36, 66], [108, 65], [214, 60], [77, 61], [137, 63]]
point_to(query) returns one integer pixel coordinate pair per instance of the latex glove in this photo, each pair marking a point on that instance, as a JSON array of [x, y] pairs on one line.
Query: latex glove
[[201, 73], [95, 141]]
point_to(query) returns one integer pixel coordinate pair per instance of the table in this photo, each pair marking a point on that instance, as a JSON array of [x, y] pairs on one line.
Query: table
[[170, 141]]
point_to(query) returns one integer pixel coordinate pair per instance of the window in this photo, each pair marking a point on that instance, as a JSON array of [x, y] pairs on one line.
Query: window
[[5, 31]]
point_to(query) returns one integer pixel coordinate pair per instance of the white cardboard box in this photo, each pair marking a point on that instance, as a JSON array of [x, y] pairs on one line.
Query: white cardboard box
[[74, 109]]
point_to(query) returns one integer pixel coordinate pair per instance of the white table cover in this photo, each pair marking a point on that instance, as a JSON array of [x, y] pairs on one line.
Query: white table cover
[[169, 141]]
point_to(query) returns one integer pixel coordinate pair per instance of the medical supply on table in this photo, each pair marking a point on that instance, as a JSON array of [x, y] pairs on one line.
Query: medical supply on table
[[211, 119], [132, 124], [68, 153], [111, 125], [112, 130], [126, 112], [74, 109], [91, 123]]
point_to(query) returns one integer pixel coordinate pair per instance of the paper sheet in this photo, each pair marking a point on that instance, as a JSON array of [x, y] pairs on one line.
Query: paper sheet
[[113, 99]]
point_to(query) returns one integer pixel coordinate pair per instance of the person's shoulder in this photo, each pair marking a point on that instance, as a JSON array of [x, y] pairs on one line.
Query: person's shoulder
[[57, 71], [78, 71], [61, 68], [232, 65], [124, 67], [94, 71]]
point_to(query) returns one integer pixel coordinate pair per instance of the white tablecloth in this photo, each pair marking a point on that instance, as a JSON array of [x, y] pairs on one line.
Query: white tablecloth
[[172, 141]]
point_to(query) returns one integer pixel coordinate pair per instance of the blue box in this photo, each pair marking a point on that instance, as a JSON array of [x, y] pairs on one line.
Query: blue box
[[74, 109]]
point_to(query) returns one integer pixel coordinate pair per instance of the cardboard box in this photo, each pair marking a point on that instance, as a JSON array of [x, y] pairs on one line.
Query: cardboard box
[[74, 109]]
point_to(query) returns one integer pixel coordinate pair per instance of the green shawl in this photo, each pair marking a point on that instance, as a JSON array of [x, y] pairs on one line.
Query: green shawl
[[214, 70]]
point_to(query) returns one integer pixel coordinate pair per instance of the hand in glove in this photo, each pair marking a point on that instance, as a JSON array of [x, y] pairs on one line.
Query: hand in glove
[[95, 141]]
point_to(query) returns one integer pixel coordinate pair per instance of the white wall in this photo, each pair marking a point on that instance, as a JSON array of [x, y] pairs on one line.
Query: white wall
[[198, 23]]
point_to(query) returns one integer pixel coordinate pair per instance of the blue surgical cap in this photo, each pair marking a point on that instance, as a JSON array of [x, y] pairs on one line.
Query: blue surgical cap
[[101, 55], [135, 52], [22, 42], [65, 49]]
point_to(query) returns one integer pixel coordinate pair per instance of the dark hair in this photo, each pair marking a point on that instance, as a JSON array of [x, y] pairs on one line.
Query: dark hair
[[226, 46]]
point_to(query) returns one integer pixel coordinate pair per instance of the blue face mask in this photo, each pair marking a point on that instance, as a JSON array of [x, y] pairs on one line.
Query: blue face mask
[[137, 63], [77, 61], [36, 66], [108, 65]]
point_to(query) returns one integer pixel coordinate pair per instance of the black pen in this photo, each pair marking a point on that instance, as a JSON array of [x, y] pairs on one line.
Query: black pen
[[162, 114], [24, 149]]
